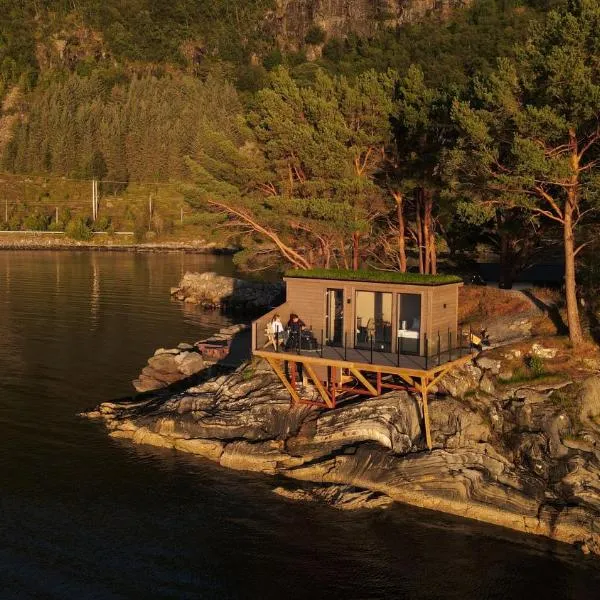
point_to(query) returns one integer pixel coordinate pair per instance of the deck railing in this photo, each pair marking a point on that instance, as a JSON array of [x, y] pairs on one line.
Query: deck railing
[[445, 346]]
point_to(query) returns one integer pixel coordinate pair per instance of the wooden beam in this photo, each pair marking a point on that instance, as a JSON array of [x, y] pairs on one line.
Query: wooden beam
[[451, 365], [341, 364], [439, 376], [275, 366], [408, 379], [363, 380], [424, 388], [318, 385]]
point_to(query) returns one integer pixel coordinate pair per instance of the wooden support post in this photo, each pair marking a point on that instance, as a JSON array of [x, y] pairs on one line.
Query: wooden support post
[[363, 380], [424, 392], [311, 373], [379, 383], [332, 384], [277, 368], [293, 374]]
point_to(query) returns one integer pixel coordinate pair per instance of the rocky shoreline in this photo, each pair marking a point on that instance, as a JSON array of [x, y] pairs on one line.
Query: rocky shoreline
[[42, 241], [213, 291], [512, 449]]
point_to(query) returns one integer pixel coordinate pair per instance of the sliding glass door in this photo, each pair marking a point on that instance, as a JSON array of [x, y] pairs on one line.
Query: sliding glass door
[[409, 326], [334, 317], [373, 321]]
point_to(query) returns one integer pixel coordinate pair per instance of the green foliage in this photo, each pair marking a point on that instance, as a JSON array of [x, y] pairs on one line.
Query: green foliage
[[103, 223], [449, 53], [536, 365], [315, 35], [102, 127], [375, 276], [79, 229], [140, 229], [301, 169], [36, 222], [529, 138]]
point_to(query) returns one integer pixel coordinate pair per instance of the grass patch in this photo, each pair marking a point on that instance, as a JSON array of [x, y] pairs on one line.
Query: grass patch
[[526, 375], [374, 276], [481, 303]]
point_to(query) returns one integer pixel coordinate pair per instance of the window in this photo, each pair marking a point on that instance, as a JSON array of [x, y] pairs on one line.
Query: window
[[374, 321]]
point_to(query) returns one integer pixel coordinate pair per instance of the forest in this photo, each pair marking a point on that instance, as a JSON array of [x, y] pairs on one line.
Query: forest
[[406, 151]]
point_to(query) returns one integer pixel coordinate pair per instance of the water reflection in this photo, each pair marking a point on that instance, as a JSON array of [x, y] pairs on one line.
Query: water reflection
[[86, 516]]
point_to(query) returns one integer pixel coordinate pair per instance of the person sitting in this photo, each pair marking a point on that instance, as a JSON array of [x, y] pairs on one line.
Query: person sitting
[[274, 332]]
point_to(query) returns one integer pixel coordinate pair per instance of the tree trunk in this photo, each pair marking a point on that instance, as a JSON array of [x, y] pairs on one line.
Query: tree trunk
[[419, 233], [399, 198], [574, 322], [506, 280], [355, 250], [429, 234], [426, 229], [433, 250]]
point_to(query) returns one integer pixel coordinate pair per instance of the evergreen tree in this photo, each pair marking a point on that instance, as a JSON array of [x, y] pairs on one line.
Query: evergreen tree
[[530, 137]]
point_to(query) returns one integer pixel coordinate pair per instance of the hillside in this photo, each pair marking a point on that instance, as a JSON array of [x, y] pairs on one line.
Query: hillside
[[129, 92]]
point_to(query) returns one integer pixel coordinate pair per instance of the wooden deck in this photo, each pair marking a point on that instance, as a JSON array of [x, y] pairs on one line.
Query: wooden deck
[[366, 369]]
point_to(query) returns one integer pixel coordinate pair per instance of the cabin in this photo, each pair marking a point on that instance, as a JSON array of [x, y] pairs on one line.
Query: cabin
[[364, 333]]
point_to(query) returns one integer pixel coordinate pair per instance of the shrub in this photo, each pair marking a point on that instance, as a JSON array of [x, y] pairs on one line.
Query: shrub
[[36, 222], [536, 365], [140, 229], [315, 35], [273, 59], [79, 229], [103, 223], [14, 223]]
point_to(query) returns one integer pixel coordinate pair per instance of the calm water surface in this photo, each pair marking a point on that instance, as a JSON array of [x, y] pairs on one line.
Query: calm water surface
[[84, 516]]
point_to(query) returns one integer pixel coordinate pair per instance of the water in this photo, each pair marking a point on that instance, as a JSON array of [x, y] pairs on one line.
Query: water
[[84, 516]]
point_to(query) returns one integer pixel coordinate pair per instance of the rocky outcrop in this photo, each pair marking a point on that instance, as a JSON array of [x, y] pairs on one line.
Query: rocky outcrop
[[173, 365], [211, 290], [293, 19], [522, 454]]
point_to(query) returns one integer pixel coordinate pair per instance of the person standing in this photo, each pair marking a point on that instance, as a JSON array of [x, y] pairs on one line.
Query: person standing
[[294, 341]]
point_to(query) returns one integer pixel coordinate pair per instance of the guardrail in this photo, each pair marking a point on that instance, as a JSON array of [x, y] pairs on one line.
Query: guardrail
[[444, 348]]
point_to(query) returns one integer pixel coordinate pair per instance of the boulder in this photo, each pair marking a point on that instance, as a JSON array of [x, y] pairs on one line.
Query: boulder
[[461, 381], [164, 363], [589, 398], [213, 291], [191, 364], [145, 383], [487, 385], [173, 351], [593, 364], [541, 352], [489, 364]]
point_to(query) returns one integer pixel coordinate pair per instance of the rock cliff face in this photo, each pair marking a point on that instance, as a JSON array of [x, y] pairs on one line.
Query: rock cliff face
[[517, 453], [293, 19]]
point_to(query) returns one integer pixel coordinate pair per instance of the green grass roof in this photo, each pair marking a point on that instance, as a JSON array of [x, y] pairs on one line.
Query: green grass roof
[[375, 276]]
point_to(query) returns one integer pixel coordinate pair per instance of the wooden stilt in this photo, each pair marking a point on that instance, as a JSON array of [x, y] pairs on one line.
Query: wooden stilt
[[379, 383], [293, 375], [424, 392], [363, 380], [322, 391], [279, 372]]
